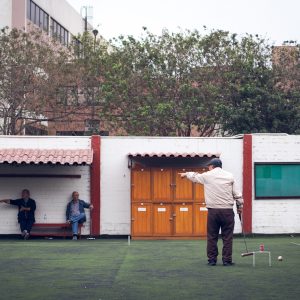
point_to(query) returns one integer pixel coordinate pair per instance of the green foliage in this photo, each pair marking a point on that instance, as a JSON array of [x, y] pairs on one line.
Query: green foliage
[[30, 72], [174, 84], [216, 83]]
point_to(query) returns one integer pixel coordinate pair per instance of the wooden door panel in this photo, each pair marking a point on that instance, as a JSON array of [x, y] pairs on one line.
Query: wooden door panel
[[200, 219], [140, 185], [162, 219], [183, 219], [199, 192], [162, 190], [199, 188], [183, 187], [141, 219]]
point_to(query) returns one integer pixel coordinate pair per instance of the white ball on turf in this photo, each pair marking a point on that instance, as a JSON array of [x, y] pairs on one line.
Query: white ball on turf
[[280, 258]]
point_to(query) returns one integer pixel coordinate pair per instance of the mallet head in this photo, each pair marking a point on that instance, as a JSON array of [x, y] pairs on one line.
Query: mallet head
[[247, 254]]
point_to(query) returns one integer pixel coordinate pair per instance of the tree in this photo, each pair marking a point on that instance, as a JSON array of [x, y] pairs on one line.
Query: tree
[[173, 84], [88, 61], [254, 97], [160, 85], [33, 73], [217, 83]]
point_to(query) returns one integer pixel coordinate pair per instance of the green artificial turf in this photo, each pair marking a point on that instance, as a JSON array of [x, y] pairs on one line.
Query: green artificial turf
[[110, 269]]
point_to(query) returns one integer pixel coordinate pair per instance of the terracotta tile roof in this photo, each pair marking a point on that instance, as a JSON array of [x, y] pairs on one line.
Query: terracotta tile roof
[[176, 154], [46, 156]]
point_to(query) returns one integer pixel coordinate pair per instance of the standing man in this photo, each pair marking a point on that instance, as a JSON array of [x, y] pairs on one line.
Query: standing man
[[75, 212], [27, 208], [220, 193]]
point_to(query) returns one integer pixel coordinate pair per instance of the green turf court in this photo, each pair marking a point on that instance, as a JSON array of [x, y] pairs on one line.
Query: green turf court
[[110, 269]]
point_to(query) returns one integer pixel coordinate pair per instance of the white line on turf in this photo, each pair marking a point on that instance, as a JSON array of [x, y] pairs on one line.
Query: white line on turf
[[295, 243]]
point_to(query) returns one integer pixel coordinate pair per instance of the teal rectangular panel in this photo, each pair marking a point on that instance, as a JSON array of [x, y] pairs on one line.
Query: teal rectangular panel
[[275, 180]]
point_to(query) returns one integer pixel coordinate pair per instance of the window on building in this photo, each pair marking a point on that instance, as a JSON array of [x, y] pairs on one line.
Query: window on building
[[104, 133], [28, 9], [92, 125], [32, 130], [78, 46], [59, 32], [32, 11], [277, 180], [66, 37], [67, 96], [41, 23], [46, 22], [70, 133], [37, 15]]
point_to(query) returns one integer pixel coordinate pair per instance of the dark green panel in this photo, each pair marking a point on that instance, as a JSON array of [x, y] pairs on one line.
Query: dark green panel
[[277, 180]]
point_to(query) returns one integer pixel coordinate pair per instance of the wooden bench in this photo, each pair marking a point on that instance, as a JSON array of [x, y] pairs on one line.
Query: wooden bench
[[54, 229]]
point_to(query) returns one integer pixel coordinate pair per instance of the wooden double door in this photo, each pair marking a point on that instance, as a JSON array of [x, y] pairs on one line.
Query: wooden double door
[[164, 205]]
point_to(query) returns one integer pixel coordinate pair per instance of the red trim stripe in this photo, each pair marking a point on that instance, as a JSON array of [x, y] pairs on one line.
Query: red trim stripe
[[247, 183], [95, 185]]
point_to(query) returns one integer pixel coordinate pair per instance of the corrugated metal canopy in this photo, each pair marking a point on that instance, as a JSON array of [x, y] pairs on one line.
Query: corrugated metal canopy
[[176, 154], [46, 156]]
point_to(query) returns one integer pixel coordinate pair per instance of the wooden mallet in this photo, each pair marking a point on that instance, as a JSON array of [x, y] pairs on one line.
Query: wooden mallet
[[247, 254]]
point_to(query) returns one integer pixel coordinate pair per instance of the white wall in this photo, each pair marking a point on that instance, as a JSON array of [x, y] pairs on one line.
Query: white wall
[[60, 10], [281, 215], [45, 142], [5, 13], [51, 194], [63, 13], [115, 175]]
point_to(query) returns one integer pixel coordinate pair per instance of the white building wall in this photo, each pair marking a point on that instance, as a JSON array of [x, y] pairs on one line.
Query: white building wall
[[278, 215], [60, 10], [63, 13], [115, 175], [5, 13], [51, 194], [45, 142]]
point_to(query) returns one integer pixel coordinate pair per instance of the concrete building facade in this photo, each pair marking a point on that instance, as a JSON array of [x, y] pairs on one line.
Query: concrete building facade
[[56, 17]]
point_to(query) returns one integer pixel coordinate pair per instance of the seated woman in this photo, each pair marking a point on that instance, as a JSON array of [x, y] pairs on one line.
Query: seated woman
[[75, 212]]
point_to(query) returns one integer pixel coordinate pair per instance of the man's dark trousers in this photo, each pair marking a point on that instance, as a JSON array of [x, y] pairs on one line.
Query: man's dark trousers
[[26, 224], [216, 219]]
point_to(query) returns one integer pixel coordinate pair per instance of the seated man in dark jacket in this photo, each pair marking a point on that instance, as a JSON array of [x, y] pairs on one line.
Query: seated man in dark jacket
[[75, 212], [27, 208]]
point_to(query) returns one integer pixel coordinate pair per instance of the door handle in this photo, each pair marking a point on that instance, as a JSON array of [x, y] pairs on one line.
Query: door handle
[[132, 219], [171, 219]]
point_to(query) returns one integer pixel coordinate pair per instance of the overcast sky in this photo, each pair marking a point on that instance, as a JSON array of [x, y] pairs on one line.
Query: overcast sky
[[277, 20]]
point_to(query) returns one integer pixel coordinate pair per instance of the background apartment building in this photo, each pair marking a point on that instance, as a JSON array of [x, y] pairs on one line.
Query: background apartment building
[[56, 17]]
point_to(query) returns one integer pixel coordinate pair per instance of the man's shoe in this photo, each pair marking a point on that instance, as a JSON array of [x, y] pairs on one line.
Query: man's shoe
[[26, 236], [228, 264], [211, 263], [74, 237]]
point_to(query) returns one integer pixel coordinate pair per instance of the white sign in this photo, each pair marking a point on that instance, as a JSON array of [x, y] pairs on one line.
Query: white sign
[[142, 208], [160, 209], [184, 209], [203, 209]]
